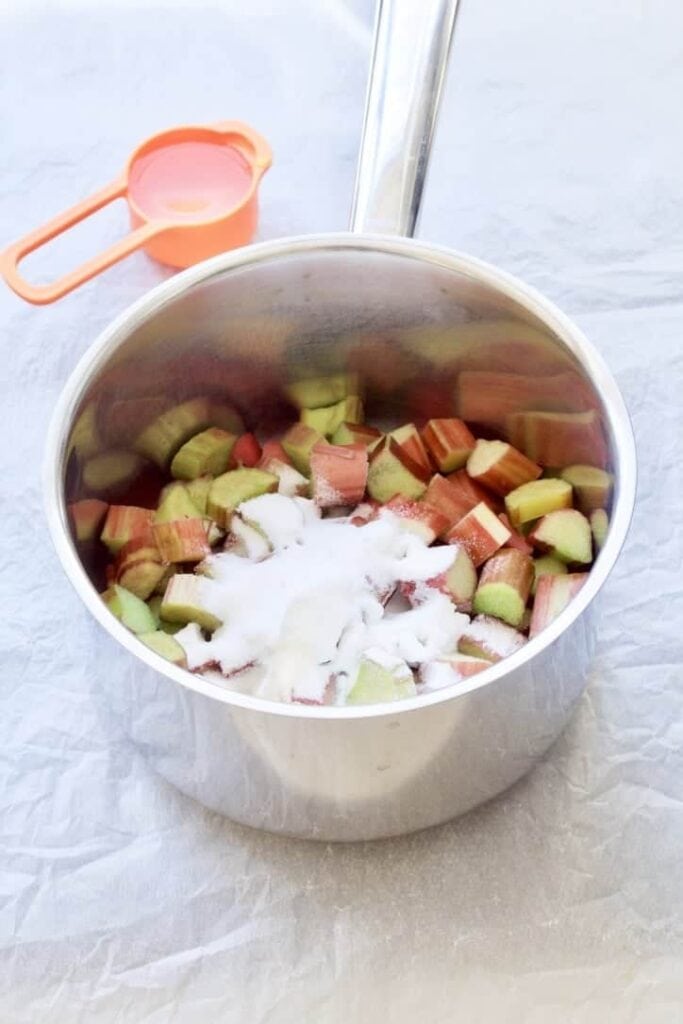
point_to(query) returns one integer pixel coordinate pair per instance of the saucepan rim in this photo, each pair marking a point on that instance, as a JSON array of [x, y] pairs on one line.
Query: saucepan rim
[[113, 335]]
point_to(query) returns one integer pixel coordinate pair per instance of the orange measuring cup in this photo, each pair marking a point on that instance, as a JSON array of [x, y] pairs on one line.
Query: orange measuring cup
[[191, 193]]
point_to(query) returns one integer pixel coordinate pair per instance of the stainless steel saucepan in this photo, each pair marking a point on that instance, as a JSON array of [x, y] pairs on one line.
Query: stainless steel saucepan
[[429, 331]]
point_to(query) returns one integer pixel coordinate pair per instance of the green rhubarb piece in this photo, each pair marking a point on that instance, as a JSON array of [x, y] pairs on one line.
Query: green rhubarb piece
[[232, 488], [566, 534], [327, 419], [85, 436], [183, 603], [175, 503], [129, 609], [154, 605], [393, 472], [599, 521], [167, 433], [501, 600], [536, 499], [592, 486], [546, 565], [227, 418], [165, 646], [357, 433], [320, 391], [124, 523], [299, 442], [198, 491], [111, 471], [381, 680], [86, 516], [207, 453], [504, 586]]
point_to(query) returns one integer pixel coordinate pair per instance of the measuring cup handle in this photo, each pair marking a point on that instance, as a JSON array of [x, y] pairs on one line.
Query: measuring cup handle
[[43, 294], [260, 155]]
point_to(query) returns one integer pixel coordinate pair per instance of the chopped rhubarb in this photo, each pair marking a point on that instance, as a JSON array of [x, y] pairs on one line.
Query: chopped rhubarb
[[246, 452], [183, 602], [339, 474], [111, 472], [599, 521], [326, 419], [165, 646], [393, 472], [273, 449], [450, 443], [298, 443], [175, 503], [448, 499], [141, 578], [458, 583], [291, 481], [85, 434], [321, 391], [139, 566], [381, 677], [592, 486], [410, 441], [162, 438], [480, 532], [536, 499], [472, 492], [489, 638], [129, 609], [566, 534], [123, 523], [450, 669], [504, 586], [489, 397], [206, 454], [500, 467], [198, 492], [232, 488], [515, 540], [560, 439], [553, 595], [546, 565], [357, 433], [419, 517], [86, 517], [182, 540]]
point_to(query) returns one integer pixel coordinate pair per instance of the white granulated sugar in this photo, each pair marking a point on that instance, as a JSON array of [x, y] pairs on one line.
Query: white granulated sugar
[[290, 480], [250, 541], [390, 662], [498, 638], [280, 518], [435, 675], [312, 609]]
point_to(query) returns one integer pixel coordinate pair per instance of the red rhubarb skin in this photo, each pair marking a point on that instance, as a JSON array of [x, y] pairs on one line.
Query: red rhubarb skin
[[475, 538], [449, 442], [511, 567], [547, 588], [246, 452], [511, 470], [339, 474]]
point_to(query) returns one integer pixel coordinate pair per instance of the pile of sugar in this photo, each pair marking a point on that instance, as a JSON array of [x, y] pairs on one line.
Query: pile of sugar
[[309, 611]]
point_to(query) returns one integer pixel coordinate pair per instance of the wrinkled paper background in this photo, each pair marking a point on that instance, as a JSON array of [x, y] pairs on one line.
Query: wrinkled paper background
[[560, 158]]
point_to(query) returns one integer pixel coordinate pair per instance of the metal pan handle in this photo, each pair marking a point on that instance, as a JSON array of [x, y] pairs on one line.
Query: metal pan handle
[[412, 43]]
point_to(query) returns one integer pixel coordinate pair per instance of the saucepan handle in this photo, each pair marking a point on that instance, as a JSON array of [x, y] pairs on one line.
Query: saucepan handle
[[412, 43]]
